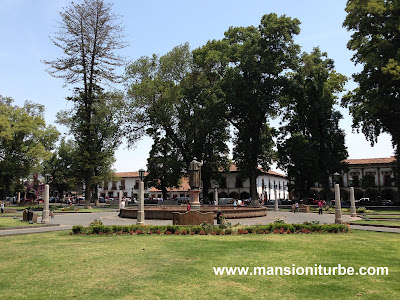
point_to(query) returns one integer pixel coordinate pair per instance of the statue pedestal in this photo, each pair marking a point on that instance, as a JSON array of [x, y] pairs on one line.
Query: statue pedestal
[[194, 199]]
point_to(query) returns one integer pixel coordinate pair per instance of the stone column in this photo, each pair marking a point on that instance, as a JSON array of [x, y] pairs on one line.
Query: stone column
[[46, 211], [338, 206], [276, 204], [119, 198], [19, 198], [140, 215], [216, 197], [352, 203]]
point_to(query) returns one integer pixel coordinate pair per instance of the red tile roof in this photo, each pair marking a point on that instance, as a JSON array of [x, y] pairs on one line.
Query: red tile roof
[[184, 186], [369, 161], [128, 174], [234, 168]]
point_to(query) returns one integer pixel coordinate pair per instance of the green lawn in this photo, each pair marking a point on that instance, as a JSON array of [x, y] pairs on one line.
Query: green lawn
[[11, 222], [61, 266], [377, 222], [383, 217]]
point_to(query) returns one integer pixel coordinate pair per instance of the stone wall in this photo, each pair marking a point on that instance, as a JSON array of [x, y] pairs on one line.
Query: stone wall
[[166, 212], [192, 218]]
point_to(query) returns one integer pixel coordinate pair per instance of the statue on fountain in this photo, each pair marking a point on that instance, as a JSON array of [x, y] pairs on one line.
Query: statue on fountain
[[195, 174]]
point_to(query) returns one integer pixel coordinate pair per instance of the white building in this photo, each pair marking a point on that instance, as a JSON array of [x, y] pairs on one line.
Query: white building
[[379, 169], [270, 185]]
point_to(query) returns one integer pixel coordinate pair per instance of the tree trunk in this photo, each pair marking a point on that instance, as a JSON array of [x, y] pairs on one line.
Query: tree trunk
[[253, 187], [88, 193]]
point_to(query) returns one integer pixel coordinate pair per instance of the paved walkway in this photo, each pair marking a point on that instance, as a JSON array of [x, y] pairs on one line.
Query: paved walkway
[[66, 221]]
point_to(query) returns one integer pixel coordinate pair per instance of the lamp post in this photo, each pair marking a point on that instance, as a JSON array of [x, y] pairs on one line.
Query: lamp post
[[352, 199], [338, 205], [140, 215], [46, 211]]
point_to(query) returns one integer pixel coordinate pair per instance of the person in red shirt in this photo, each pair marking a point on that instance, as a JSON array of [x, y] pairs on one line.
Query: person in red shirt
[[188, 207], [319, 207]]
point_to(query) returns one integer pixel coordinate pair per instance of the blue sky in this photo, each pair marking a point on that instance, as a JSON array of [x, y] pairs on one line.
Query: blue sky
[[156, 27]]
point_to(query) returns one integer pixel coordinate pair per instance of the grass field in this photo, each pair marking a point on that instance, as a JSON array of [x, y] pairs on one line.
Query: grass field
[[11, 222], [62, 266], [384, 217], [377, 222]]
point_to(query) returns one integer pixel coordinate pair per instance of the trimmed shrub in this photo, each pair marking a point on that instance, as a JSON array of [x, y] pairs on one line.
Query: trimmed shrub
[[77, 229]]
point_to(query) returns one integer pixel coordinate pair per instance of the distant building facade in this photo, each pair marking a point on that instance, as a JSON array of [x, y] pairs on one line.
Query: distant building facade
[[372, 178], [270, 185]]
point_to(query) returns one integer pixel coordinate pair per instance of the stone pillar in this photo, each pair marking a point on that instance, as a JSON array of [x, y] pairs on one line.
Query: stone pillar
[[46, 211], [140, 215], [338, 206], [194, 199], [119, 198], [216, 197], [276, 204], [19, 198], [352, 203]]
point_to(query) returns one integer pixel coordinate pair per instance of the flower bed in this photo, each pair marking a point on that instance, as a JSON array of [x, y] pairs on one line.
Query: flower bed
[[207, 229]]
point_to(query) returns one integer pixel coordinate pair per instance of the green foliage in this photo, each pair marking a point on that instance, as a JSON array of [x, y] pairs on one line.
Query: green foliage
[[95, 222], [375, 41], [89, 36], [363, 210], [25, 142], [178, 105], [61, 167], [368, 181], [311, 145], [251, 75], [97, 227]]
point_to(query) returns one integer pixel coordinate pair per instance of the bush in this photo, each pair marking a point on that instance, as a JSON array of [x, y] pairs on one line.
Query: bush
[[77, 229], [204, 229]]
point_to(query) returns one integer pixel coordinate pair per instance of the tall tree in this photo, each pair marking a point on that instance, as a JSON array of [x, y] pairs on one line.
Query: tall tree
[[165, 165], [89, 35], [311, 147], [375, 103], [172, 101], [252, 63], [25, 142], [93, 161]]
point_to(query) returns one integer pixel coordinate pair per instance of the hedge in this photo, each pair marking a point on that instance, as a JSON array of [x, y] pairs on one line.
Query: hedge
[[207, 229]]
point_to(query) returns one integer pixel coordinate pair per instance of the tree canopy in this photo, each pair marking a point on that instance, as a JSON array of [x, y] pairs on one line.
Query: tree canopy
[[375, 40], [311, 145], [89, 35], [25, 142]]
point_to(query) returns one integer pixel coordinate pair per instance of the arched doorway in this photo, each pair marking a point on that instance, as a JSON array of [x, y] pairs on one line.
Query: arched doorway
[[222, 195], [244, 195], [234, 195]]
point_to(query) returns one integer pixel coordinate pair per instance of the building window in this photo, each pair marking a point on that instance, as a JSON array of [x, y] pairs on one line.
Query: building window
[[356, 181], [222, 184], [106, 185], [122, 184], [387, 180], [239, 183], [114, 185], [110, 194], [136, 184]]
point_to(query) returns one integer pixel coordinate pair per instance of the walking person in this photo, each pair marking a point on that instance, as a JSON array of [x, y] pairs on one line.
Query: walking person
[[320, 207], [296, 207], [2, 207]]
